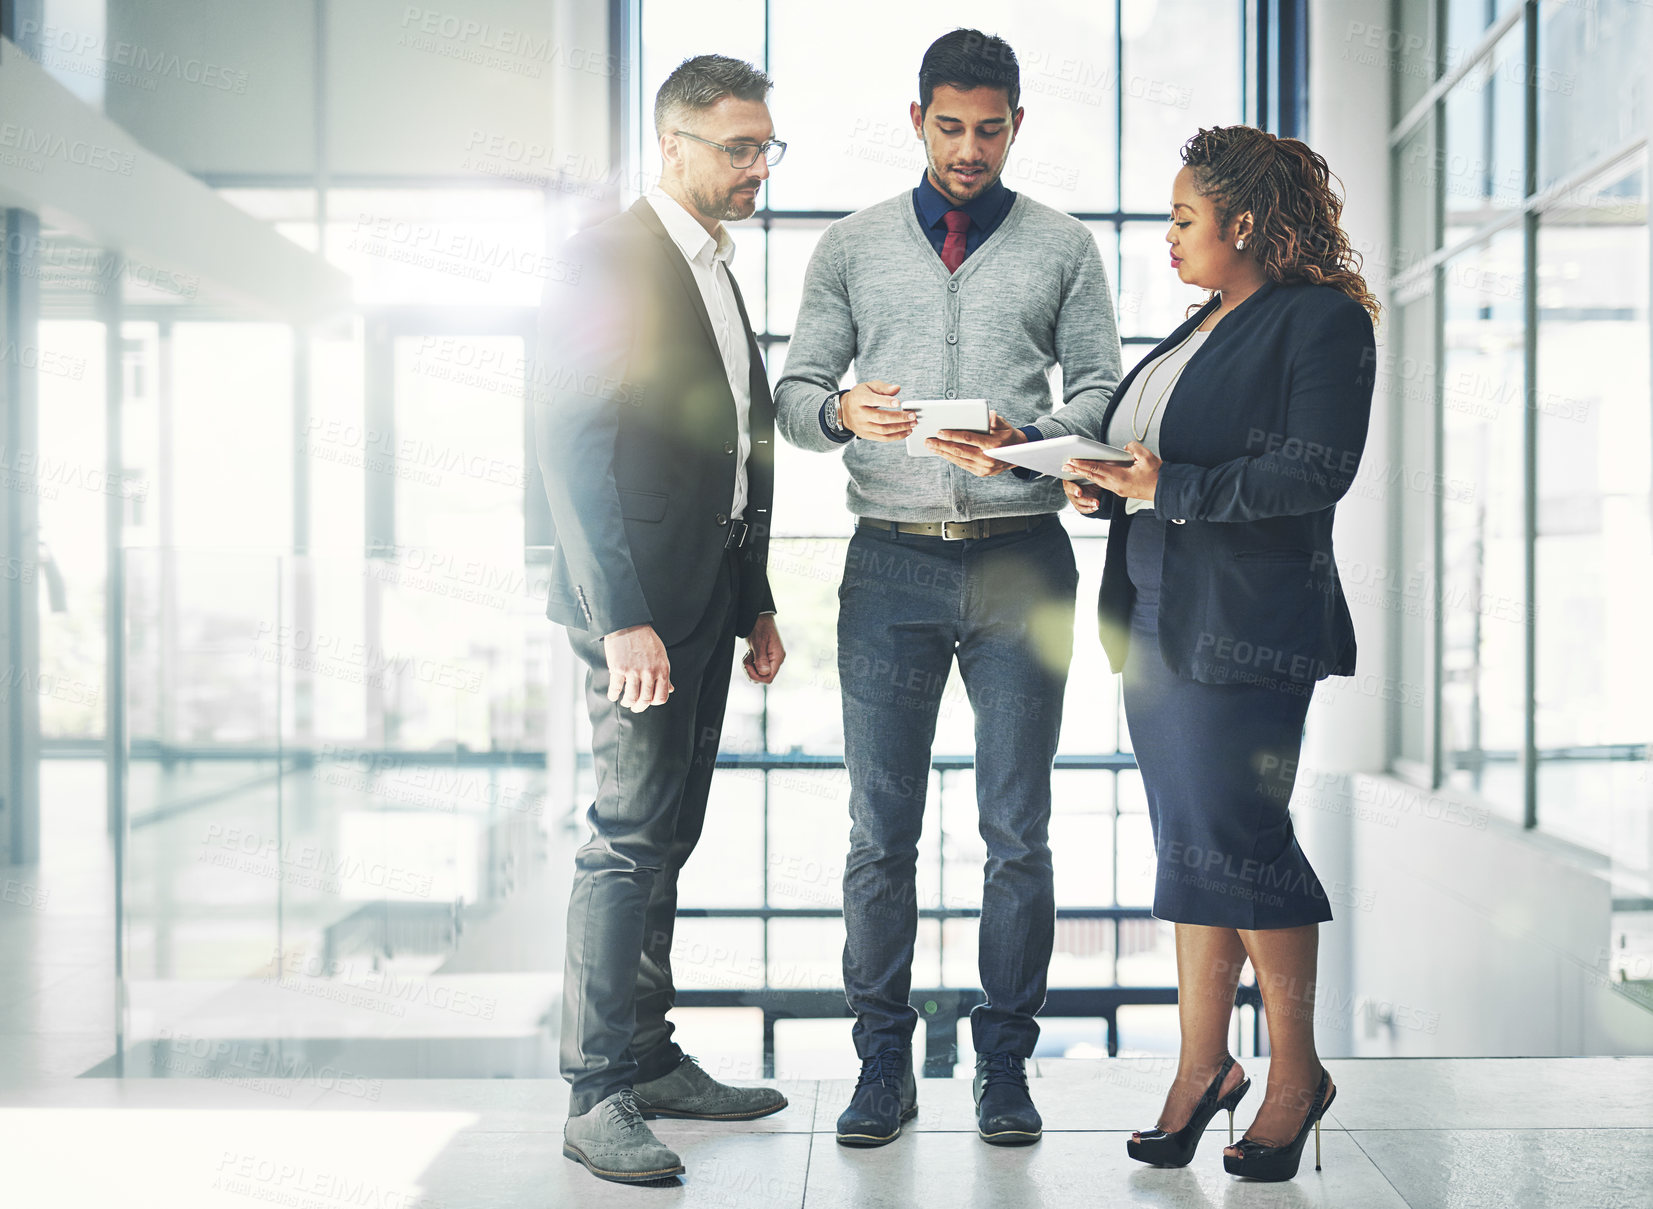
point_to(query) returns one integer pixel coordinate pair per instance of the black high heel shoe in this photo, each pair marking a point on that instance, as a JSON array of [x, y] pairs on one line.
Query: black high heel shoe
[[1259, 1162], [1165, 1149]]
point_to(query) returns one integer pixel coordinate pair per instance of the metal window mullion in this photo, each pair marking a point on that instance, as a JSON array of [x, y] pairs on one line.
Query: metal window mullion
[[115, 619], [1114, 874], [1446, 80], [1118, 122], [322, 181], [1529, 441], [1433, 104], [1437, 456], [1263, 96]]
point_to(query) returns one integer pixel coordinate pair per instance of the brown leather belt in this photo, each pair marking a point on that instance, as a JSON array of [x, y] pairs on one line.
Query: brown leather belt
[[953, 531]]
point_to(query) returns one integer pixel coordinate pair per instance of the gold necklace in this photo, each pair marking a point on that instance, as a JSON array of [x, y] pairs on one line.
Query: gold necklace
[[1154, 369]]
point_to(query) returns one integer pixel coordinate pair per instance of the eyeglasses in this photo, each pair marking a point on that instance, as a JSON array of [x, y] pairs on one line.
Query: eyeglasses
[[744, 155]]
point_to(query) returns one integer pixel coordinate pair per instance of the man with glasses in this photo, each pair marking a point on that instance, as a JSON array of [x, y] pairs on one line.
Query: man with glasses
[[655, 438], [958, 289]]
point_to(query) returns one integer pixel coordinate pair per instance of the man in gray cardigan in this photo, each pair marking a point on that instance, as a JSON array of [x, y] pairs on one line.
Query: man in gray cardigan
[[959, 289]]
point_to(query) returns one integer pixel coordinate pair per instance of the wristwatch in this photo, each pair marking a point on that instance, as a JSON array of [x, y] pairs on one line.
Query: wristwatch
[[832, 422]]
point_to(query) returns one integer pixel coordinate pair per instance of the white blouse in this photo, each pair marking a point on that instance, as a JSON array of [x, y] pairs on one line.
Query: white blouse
[[1164, 370]]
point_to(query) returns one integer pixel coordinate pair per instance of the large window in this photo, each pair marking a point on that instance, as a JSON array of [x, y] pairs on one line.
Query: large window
[[1521, 351], [1594, 572]]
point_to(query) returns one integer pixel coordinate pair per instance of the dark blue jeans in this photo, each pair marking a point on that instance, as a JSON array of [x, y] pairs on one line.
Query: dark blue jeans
[[908, 605]]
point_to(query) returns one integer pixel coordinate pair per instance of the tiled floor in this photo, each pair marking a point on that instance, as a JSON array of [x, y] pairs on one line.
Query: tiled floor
[[1574, 1133], [1452, 1134]]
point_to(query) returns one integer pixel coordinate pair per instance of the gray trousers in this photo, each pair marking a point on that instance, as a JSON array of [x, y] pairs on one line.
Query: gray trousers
[[654, 771]]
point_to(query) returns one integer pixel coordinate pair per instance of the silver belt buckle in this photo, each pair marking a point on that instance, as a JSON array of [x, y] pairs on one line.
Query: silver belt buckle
[[737, 535], [947, 535]]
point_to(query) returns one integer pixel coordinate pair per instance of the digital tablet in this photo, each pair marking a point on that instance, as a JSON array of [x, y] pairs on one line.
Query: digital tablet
[[936, 414], [1048, 455]]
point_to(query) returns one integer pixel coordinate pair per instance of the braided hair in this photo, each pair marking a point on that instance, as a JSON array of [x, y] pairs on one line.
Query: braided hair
[[1287, 186]]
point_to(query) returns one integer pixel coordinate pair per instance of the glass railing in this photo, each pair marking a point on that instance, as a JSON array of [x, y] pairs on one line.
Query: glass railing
[[355, 786], [334, 851]]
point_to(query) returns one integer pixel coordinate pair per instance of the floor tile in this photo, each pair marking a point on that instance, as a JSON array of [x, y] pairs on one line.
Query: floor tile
[[1524, 1169], [1492, 1093], [1075, 1169]]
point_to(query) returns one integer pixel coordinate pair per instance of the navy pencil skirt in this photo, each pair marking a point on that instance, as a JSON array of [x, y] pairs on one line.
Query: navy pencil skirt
[[1218, 762]]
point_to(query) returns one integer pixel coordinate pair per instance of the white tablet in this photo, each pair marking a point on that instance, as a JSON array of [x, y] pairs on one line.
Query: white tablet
[[1048, 455], [936, 414]]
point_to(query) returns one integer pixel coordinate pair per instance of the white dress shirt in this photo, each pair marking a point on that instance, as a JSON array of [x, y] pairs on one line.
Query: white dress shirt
[[704, 255]]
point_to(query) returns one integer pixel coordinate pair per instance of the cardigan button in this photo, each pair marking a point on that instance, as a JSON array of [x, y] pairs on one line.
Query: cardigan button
[[952, 337], [952, 287]]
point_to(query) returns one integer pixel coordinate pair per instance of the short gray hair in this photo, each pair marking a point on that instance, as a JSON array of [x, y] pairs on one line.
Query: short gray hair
[[701, 82]]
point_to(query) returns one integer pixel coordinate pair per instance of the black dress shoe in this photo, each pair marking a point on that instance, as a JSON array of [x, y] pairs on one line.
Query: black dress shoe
[[1005, 1115], [1257, 1161], [1175, 1148], [885, 1095]]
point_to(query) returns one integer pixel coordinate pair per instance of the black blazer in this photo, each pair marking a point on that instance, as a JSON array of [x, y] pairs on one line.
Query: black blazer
[[1261, 437], [636, 434]]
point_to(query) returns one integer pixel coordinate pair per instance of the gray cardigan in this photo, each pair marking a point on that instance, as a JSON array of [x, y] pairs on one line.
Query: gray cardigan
[[1034, 295]]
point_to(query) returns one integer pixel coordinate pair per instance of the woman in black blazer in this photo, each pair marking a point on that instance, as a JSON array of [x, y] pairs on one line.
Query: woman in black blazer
[[1221, 606]]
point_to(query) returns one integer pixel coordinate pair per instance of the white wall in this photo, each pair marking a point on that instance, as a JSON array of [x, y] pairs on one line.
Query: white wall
[[1478, 938], [1348, 124]]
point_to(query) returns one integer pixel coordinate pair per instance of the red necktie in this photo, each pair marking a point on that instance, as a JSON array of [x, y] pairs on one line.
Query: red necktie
[[957, 223]]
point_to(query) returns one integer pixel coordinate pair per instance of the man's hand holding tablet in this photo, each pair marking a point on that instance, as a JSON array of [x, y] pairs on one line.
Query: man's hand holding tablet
[[872, 413], [971, 447]]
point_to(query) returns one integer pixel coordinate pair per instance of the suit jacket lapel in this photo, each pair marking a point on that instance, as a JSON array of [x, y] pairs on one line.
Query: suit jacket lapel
[[759, 384], [646, 215]]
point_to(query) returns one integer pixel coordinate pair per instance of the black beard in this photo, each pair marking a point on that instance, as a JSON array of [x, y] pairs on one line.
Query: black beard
[[941, 181]]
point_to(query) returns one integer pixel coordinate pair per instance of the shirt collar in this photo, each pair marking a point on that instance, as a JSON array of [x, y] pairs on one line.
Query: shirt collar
[[983, 210], [687, 233]]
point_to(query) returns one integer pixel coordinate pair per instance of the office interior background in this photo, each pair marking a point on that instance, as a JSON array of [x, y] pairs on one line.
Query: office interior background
[[293, 762]]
